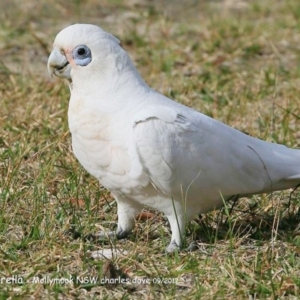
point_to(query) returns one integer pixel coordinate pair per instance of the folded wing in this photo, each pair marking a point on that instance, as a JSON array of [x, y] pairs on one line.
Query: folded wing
[[187, 154]]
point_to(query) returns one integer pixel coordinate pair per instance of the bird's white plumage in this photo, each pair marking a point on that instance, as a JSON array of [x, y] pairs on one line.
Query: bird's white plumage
[[149, 150]]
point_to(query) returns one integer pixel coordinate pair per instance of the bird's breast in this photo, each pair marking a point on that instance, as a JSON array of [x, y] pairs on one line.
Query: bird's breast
[[99, 146]]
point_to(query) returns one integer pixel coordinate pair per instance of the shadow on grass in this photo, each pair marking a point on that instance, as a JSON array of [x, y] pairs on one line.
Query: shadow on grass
[[259, 226]]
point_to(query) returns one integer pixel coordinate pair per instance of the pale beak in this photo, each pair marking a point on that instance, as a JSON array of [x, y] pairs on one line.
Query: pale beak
[[59, 65]]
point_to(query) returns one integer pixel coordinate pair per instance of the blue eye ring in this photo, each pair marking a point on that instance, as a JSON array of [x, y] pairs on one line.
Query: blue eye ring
[[82, 55]]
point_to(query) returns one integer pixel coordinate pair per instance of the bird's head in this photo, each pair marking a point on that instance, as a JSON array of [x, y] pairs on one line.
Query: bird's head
[[80, 48]]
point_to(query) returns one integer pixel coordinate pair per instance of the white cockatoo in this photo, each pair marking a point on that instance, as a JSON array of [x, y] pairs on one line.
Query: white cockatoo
[[149, 150]]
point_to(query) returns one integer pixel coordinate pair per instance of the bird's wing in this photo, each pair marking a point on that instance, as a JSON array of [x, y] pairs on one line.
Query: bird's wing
[[183, 151]]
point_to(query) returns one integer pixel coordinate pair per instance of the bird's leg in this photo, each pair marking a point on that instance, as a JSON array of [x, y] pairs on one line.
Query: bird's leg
[[178, 219], [177, 223], [126, 218]]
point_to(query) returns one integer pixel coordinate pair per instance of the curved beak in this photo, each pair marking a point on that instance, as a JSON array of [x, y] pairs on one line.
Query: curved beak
[[59, 65]]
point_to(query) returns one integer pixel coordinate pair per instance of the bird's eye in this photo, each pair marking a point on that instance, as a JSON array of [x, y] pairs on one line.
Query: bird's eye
[[81, 51], [82, 55]]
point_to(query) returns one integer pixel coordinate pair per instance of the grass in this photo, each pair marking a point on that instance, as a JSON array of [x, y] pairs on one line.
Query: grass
[[237, 61]]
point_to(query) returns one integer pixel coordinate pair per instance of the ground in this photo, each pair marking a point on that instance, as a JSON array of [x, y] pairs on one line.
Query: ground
[[237, 61]]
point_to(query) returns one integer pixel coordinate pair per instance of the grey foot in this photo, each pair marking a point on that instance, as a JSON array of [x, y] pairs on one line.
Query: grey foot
[[108, 235], [173, 247], [191, 247], [122, 234]]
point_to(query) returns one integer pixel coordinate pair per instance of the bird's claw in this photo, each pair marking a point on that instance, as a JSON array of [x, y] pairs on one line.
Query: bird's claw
[[108, 235]]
